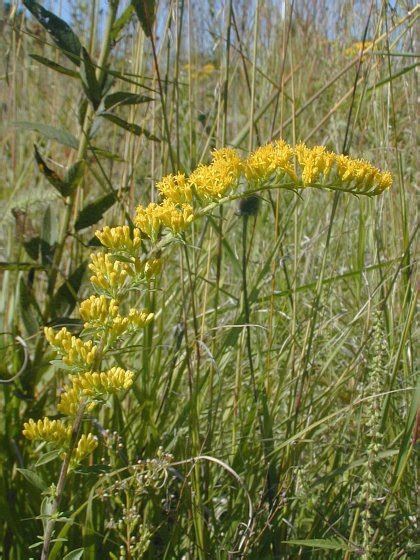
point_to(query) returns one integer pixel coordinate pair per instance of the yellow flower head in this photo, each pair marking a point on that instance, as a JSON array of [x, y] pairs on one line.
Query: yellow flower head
[[120, 239], [102, 313], [74, 351], [109, 274], [51, 431], [70, 401], [147, 219], [85, 446], [175, 188], [362, 175], [313, 162], [176, 218], [139, 319], [152, 218], [215, 180], [98, 311], [269, 159]]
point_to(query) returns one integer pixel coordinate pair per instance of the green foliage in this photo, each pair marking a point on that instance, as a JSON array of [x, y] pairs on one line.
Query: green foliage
[[92, 213]]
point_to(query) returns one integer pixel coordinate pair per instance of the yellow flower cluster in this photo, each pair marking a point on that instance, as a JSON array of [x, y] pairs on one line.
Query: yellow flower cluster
[[52, 431], [58, 433], [98, 311], [214, 180], [120, 239], [102, 313], [200, 71], [362, 175], [269, 159], [139, 319], [74, 351], [315, 166], [175, 188], [109, 274], [302, 165], [93, 385], [152, 218], [313, 162], [357, 47]]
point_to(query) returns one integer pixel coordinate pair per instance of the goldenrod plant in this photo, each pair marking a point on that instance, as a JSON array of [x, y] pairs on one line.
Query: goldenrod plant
[[125, 266]]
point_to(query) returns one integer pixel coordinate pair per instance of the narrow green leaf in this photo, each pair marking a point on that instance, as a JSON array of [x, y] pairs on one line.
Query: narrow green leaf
[[89, 81], [62, 136], [326, 544], [99, 152], [93, 212], [46, 509], [29, 310], [54, 66], [394, 76], [62, 34], [33, 478], [131, 127], [145, 10], [121, 22], [19, 266], [124, 98], [48, 457]]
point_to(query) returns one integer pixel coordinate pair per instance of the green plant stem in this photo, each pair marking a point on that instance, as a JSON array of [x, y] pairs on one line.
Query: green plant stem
[[62, 482]]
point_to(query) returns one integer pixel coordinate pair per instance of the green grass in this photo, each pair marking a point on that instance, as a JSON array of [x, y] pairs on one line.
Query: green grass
[[280, 420]]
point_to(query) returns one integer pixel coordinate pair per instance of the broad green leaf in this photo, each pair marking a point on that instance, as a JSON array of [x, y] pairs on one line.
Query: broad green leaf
[[145, 10], [131, 127], [124, 98], [51, 176], [75, 554], [54, 66], [62, 136], [65, 298], [93, 212], [326, 544], [89, 81], [62, 34], [33, 478]]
